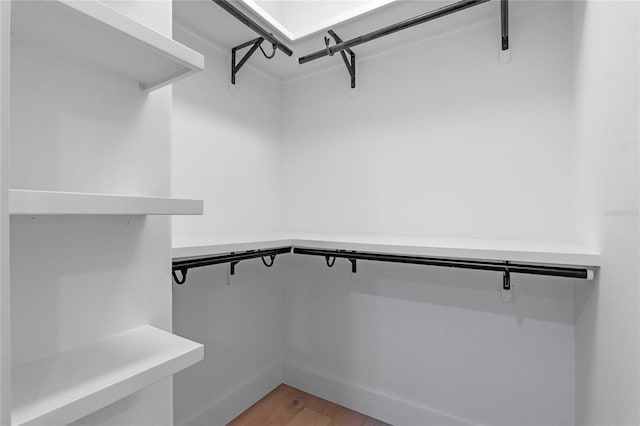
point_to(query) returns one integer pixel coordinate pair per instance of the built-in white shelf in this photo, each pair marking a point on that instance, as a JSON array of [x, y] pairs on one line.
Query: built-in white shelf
[[229, 243], [66, 386], [28, 202], [556, 253], [103, 36]]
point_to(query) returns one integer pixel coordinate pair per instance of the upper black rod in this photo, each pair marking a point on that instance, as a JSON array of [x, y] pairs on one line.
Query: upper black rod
[[226, 5], [425, 17], [533, 269]]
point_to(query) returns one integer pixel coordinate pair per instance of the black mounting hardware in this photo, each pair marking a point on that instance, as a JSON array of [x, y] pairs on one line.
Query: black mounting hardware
[[226, 5], [506, 280], [231, 258], [408, 23], [273, 259], [504, 22], [232, 267], [354, 266], [350, 64], [331, 260], [255, 44], [184, 275]]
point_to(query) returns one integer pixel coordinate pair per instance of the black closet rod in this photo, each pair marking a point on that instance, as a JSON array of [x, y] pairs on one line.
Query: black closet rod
[[425, 17], [226, 5], [521, 268], [179, 265]]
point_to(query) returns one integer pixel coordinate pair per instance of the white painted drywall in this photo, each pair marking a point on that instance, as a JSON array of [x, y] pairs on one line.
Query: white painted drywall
[[607, 195], [227, 151], [413, 345], [75, 127], [226, 148], [438, 139]]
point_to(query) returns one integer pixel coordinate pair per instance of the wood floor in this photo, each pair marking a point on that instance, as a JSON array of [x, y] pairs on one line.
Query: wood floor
[[287, 406]]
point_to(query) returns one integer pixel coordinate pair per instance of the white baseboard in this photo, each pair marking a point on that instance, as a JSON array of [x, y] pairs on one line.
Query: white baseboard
[[388, 408], [225, 409]]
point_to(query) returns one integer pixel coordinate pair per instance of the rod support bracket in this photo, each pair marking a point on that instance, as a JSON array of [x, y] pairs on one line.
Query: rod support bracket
[[505, 52], [349, 62], [331, 260], [506, 285], [354, 266], [179, 281], [232, 267], [272, 258], [235, 67]]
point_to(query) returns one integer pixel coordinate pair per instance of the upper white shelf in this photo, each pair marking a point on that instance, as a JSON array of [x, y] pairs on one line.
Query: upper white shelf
[[106, 37], [61, 388], [557, 253], [27, 202]]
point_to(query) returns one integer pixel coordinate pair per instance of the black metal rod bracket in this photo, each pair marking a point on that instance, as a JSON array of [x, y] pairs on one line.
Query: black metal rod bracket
[[236, 13], [255, 44], [506, 284], [506, 280], [272, 257], [354, 266], [232, 267], [182, 280], [504, 24], [349, 62]]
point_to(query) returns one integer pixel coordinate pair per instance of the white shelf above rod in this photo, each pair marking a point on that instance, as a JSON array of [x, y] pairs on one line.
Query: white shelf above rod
[[29, 202]]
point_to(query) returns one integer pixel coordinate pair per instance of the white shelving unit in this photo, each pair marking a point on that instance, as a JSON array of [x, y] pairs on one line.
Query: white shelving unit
[[556, 253], [66, 386], [28, 202], [101, 35], [62, 387]]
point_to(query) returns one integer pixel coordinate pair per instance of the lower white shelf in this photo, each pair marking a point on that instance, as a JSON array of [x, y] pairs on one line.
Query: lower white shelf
[[29, 202], [69, 385], [544, 252]]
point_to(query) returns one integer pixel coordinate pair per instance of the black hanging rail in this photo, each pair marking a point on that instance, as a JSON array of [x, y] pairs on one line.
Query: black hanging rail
[[183, 266], [417, 20], [506, 267], [255, 44], [342, 46]]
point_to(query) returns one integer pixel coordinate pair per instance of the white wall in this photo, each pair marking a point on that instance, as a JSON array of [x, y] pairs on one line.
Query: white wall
[[607, 189], [413, 345], [439, 139], [226, 148], [76, 279], [227, 151]]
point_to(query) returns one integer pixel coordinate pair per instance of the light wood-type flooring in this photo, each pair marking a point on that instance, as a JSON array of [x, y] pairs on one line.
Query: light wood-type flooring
[[287, 406]]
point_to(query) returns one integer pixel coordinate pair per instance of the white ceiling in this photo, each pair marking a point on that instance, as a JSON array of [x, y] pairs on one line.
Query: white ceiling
[[214, 24]]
